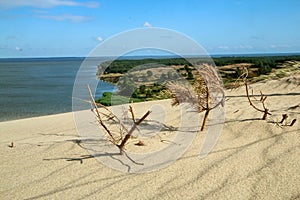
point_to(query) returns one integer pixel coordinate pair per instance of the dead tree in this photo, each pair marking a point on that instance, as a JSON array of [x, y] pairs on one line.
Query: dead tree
[[122, 140]]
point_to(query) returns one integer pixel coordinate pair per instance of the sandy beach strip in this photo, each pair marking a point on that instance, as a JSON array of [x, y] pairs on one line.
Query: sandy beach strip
[[253, 159]]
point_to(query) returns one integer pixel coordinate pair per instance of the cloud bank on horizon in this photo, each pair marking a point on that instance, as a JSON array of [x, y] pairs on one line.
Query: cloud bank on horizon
[[35, 28]]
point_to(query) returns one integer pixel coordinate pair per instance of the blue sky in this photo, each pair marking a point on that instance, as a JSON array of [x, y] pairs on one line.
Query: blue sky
[[43, 28]]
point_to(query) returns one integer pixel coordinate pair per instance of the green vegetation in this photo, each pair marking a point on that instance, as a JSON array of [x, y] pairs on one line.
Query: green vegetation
[[109, 99], [265, 66], [123, 66], [142, 93], [249, 59], [143, 84], [149, 73]]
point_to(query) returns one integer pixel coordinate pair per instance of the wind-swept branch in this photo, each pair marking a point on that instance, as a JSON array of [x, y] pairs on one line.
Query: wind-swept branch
[[207, 92]]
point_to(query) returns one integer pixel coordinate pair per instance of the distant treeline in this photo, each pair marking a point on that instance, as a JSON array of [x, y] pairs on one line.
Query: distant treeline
[[122, 66], [261, 62], [245, 59]]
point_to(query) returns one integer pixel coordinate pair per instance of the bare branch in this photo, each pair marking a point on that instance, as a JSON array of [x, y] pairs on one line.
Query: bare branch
[[137, 163], [293, 122], [262, 98], [132, 114], [99, 116], [284, 117], [122, 127], [126, 138]]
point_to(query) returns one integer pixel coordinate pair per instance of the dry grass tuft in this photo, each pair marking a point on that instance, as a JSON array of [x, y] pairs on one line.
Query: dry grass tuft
[[206, 94]]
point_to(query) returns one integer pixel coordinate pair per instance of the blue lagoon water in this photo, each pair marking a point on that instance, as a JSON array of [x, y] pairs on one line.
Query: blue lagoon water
[[39, 86]]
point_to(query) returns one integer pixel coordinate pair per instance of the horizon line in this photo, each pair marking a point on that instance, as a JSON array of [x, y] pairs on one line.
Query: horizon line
[[168, 56]]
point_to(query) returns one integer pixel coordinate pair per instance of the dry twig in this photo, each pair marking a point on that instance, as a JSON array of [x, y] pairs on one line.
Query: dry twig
[[293, 122], [284, 117], [120, 143], [128, 135], [262, 100]]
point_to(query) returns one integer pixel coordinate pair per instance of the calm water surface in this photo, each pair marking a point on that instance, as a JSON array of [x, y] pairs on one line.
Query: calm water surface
[[36, 87]]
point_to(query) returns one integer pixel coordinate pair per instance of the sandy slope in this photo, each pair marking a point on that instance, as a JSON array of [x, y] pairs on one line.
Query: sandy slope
[[253, 159]]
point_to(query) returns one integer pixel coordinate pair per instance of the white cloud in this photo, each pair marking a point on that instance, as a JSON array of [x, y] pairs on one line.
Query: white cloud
[[19, 49], [235, 47], [147, 24], [223, 47], [99, 39], [46, 3], [244, 47], [66, 17], [280, 46]]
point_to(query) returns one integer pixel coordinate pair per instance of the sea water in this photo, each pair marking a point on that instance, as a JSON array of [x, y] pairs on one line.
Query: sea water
[[32, 87]]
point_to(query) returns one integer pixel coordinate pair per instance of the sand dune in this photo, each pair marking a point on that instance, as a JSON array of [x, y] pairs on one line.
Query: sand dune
[[253, 159]]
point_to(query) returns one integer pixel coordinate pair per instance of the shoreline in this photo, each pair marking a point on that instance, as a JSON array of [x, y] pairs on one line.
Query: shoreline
[[32, 117], [35, 117], [71, 112]]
